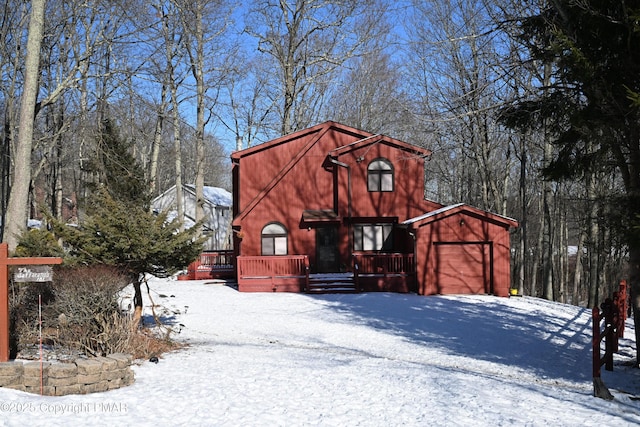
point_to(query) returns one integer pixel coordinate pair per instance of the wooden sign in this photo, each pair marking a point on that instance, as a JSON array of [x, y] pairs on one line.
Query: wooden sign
[[5, 262], [33, 273]]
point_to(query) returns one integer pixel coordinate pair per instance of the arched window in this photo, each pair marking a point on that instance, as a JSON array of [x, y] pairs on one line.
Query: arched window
[[274, 239], [380, 175]]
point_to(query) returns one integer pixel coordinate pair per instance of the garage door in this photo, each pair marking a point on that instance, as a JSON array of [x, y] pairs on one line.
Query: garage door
[[463, 268]]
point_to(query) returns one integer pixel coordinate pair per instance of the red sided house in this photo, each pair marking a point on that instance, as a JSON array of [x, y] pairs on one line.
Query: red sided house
[[335, 208]]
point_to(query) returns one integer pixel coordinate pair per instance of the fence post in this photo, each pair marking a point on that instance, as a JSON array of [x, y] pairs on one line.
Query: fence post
[[611, 341], [356, 278], [623, 307], [306, 273], [599, 388]]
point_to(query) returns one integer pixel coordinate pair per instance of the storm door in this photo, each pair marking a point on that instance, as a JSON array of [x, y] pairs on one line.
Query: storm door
[[327, 260]]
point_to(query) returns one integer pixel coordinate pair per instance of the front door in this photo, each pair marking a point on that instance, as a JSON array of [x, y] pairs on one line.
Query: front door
[[327, 250]]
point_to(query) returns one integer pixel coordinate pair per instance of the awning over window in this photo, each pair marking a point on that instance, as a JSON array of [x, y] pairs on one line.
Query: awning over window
[[320, 216]]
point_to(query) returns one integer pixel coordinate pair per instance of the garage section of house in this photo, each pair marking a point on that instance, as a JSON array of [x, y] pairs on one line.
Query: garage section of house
[[460, 249]]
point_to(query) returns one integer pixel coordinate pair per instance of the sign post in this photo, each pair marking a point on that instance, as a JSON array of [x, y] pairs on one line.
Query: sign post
[[5, 262]]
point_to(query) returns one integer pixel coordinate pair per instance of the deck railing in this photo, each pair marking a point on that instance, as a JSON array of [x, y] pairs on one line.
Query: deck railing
[[273, 266], [384, 272], [211, 265], [217, 259], [290, 273], [385, 263], [279, 273]]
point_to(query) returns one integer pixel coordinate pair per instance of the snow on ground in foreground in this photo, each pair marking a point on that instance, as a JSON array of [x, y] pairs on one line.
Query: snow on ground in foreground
[[375, 359]]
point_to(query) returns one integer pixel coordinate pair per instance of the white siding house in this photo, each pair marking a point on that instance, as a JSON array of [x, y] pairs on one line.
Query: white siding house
[[217, 211]]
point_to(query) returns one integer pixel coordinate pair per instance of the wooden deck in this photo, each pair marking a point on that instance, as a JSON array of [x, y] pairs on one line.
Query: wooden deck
[[211, 265], [285, 273], [385, 272], [291, 273]]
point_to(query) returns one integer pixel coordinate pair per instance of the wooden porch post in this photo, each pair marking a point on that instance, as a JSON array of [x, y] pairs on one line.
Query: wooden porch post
[[4, 303]]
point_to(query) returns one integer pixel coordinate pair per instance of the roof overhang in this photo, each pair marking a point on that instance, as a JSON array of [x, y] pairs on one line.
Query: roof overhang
[[320, 216], [461, 208]]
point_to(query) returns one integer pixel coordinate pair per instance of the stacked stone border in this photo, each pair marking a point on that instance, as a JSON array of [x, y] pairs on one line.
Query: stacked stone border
[[82, 376]]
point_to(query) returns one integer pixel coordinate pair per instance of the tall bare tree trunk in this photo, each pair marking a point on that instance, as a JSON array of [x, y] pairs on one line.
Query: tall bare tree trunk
[[593, 232], [5, 164], [577, 274], [522, 233], [157, 140], [563, 255], [196, 56], [16, 218], [547, 243], [177, 149]]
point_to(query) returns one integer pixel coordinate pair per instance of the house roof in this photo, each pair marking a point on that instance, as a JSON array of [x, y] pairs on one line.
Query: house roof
[[213, 195], [322, 128], [380, 139], [364, 139], [450, 210]]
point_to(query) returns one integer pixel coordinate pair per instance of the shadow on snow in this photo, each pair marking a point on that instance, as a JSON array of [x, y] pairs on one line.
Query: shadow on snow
[[483, 328]]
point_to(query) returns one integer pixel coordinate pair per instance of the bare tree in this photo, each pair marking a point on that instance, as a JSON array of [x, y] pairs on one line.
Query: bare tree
[[306, 41], [204, 24], [16, 217], [371, 95], [457, 51], [248, 108], [14, 22]]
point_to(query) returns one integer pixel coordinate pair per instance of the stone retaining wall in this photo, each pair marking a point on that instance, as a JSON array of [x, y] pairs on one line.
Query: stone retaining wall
[[81, 376]]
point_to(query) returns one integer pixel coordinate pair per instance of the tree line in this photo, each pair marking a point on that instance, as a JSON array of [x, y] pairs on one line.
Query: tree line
[[486, 85]]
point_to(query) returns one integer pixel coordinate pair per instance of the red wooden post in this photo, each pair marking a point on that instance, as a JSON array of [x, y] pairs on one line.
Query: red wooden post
[[307, 267], [5, 262], [4, 303], [623, 306]]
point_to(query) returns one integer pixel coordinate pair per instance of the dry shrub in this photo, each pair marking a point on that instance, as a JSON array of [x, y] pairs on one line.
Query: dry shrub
[[81, 313], [145, 344]]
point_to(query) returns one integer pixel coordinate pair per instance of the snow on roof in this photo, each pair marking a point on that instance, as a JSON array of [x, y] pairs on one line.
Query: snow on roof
[[215, 195], [449, 208], [432, 213], [218, 196]]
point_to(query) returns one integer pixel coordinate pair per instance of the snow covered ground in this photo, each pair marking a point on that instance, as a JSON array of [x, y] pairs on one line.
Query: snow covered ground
[[372, 359]]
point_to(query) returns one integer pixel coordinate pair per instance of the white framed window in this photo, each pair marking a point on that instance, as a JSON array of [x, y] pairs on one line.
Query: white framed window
[[372, 237], [380, 175], [274, 239]]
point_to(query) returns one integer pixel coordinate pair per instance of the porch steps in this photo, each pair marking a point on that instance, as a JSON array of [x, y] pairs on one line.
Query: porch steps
[[331, 284]]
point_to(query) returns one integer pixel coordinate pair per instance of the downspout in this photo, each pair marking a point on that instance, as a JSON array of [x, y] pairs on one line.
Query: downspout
[[348, 168], [414, 239]]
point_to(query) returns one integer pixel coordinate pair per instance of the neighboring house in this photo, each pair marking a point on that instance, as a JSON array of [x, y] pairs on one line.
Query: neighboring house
[[343, 204], [217, 211]]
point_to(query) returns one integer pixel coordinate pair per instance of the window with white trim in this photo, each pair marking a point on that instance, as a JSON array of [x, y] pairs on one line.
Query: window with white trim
[[372, 237], [274, 239], [380, 175]]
